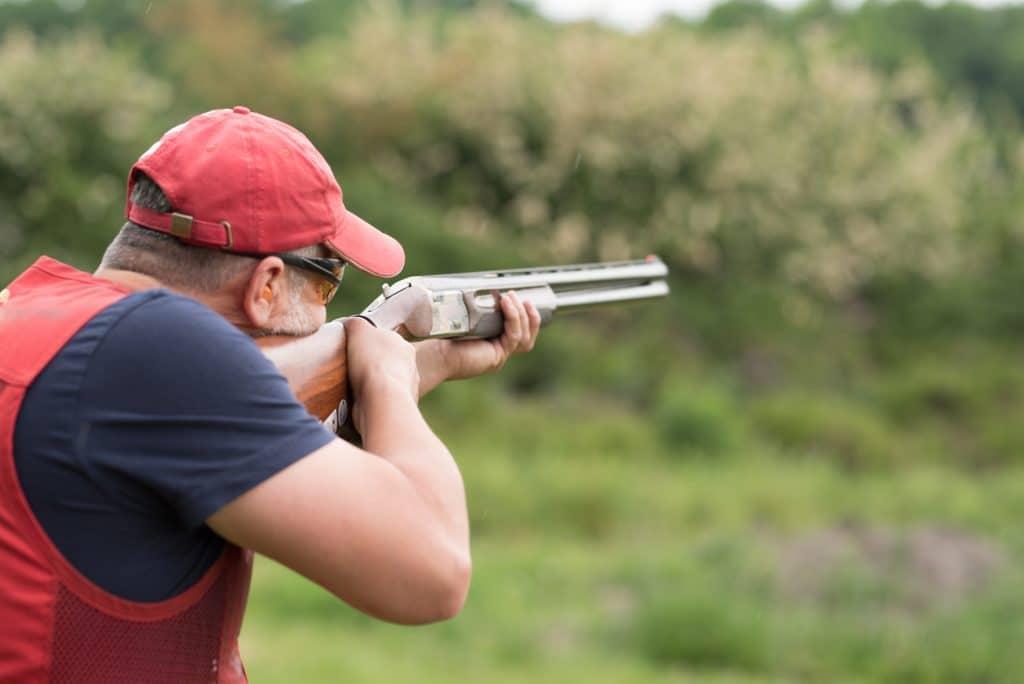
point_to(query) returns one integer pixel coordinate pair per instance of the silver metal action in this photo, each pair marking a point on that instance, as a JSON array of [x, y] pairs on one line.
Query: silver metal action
[[464, 304]]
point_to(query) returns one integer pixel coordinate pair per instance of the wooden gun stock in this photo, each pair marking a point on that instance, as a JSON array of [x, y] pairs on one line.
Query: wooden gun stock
[[315, 366]]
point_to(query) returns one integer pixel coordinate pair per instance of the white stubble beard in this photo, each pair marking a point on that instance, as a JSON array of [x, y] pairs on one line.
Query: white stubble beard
[[298, 321]]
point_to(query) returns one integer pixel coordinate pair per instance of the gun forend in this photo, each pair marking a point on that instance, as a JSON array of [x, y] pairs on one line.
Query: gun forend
[[464, 304]]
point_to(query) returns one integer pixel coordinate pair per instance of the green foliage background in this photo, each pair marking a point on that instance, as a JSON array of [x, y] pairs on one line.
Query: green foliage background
[[805, 465]]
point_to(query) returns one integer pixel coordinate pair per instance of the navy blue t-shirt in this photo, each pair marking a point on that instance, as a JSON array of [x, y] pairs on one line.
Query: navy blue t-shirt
[[154, 416]]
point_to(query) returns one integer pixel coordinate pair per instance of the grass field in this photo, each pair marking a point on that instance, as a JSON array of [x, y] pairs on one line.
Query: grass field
[[604, 552]]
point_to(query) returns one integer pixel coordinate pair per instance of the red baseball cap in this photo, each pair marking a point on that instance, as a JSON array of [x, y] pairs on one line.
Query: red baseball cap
[[243, 182]]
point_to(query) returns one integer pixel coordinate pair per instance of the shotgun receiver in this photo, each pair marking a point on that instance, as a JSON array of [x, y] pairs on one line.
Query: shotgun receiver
[[461, 305]]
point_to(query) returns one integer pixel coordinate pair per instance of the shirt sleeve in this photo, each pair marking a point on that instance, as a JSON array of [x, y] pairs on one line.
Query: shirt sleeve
[[179, 401]]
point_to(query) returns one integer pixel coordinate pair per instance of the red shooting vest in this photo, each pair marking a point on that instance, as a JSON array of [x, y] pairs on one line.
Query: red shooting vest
[[56, 625]]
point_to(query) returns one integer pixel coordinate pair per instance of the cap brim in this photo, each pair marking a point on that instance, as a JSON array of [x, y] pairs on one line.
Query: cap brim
[[367, 248]]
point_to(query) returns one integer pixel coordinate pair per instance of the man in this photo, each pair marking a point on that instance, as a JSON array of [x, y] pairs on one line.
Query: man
[[145, 440]]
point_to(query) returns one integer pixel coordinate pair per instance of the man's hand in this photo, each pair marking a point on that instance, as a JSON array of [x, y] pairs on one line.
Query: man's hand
[[377, 355], [440, 360], [379, 362]]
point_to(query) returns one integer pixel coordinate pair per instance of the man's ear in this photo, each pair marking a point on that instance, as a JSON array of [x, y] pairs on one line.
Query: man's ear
[[263, 292]]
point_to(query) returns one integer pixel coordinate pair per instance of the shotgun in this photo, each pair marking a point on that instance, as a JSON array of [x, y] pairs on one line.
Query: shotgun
[[454, 305]]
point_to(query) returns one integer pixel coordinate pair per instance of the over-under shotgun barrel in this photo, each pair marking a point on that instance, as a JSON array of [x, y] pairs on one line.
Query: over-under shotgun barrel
[[463, 304]]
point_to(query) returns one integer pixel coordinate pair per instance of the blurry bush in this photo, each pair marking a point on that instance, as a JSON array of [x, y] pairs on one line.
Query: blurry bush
[[699, 417], [738, 157], [973, 411], [73, 116], [225, 53], [734, 157], [851, 434], [713, 628], [705, 630]]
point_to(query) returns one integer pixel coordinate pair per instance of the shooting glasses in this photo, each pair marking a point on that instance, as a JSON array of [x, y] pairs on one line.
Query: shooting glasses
[[329, 270]]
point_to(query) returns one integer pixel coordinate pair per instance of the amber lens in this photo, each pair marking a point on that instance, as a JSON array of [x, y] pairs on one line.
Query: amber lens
[[327, 290]]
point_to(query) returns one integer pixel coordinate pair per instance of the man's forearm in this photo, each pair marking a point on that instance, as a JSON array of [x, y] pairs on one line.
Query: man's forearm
[[431, 360], [394, 429]]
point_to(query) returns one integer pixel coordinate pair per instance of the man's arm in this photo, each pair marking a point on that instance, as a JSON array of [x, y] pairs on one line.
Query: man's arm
[[385, 528], [315, 366]]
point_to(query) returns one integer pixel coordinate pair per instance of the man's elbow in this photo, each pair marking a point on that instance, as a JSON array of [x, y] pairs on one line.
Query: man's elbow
[[434, 594], [458, 586], [451, 588]]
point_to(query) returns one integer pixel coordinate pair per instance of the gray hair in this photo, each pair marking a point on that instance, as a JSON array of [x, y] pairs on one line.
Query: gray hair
[[175, 263]]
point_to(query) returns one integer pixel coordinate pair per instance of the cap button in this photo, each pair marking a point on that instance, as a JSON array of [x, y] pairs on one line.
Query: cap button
[[240, 110]]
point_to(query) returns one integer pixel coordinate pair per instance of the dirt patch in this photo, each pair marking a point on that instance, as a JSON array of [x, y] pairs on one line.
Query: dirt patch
[[619, 602], [560, 638], [915, 569]]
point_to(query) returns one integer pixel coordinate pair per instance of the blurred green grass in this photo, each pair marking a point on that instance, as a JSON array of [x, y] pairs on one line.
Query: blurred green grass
[[603, 552]]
